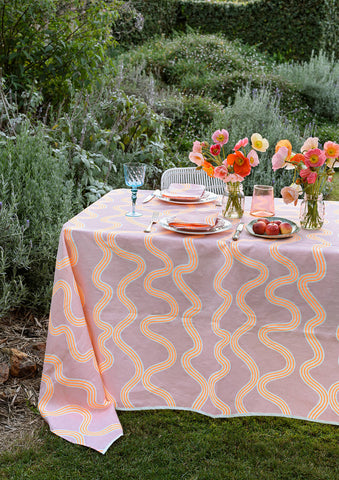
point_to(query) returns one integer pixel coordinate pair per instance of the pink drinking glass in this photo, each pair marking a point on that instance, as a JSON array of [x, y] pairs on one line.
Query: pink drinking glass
[[262, 201]]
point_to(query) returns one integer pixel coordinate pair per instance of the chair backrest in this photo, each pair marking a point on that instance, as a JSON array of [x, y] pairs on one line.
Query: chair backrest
[[192, 175]]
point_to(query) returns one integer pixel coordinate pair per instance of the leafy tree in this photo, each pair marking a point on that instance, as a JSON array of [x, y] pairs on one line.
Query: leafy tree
[[53, 44]]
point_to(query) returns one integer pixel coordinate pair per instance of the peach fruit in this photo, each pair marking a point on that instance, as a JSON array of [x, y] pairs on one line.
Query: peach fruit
[[272, 229], [285, 227], [259, 227]]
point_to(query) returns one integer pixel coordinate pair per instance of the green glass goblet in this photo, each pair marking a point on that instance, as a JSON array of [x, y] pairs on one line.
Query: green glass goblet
[[134, 178]]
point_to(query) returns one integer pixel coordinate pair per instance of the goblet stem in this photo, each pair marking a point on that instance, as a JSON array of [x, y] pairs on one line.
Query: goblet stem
[[134, 199]]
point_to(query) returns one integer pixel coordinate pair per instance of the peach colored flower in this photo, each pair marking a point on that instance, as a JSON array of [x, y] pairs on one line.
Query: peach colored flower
[[259, 143], [220, 137], [253, 158], [280, 157], [221, 171], [196, 158], [331, 150], [310, 144], [290, 194], [315, 157], [197, 147], [284, 143], [233, 177], [242, 143]]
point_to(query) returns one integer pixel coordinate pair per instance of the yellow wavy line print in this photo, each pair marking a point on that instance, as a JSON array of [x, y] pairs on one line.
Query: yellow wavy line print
[[223, 334], [309, 329], [140, 268], [250, 363], [101, 304], [75, 383], [277, 327], [187, 321], [332, 395], [71, 318], [167, 270], [78, 438], [71, 257]]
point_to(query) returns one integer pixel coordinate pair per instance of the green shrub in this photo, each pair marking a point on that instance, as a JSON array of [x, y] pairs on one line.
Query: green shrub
[[53, 44], [36, 187], [318, 81], [285, 28]]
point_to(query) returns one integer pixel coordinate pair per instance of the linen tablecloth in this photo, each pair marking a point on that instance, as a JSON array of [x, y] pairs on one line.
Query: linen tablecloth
[[195, 322]]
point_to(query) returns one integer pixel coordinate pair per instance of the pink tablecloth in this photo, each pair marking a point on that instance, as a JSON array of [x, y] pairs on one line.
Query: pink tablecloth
[[196, 322]]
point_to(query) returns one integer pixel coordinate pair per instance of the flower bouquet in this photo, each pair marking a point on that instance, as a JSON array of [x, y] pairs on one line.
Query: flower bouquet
[[230, 166], [313, 168]]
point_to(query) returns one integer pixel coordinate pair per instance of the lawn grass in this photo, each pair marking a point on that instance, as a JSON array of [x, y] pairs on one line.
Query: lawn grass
[[173, 445], [334, 195]]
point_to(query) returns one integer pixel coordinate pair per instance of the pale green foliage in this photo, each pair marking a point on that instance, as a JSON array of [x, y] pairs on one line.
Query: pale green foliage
[[318, 80]]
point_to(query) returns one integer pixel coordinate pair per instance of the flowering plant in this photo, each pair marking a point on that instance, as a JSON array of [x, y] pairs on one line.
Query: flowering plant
[[313, 167], [230, 166]]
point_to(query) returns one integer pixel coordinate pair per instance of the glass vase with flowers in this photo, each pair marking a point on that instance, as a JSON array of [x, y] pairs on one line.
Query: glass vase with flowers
[[313, 168], [229, 165]]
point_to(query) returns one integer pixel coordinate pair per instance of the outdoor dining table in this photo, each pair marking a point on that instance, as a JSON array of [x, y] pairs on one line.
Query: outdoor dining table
[[167, 320]]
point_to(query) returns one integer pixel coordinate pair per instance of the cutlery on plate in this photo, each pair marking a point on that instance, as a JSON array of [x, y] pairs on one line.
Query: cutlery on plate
[[154, 219], [150, 196], [238, 231]]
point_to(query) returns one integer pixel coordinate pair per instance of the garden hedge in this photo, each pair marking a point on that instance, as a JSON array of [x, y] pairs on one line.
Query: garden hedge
[[287, 29], [290, 29]]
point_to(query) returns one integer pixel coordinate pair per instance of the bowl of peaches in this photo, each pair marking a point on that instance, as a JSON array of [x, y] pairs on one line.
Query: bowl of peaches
[[272, 227]]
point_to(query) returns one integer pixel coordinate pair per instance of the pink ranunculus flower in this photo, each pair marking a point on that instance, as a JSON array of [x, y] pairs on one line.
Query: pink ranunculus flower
[[221, 171], [331, 150], [242, 143], [279, 158], [308, 174], [197, 147], [253, 158], [315, 157], [233, 177], [220, 137], [215, 149], [310, 144], [197, 158], [290, 194]]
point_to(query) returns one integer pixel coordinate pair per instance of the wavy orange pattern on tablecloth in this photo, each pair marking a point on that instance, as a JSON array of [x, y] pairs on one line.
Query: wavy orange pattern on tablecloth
[[278, 327], [220, 332], [187, 318], [116, 335], [309, 330], [158, 318], [251, 319]]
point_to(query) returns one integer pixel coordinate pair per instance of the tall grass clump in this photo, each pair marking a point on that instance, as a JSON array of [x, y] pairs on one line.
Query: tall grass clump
[[257, 110], [318, 81]]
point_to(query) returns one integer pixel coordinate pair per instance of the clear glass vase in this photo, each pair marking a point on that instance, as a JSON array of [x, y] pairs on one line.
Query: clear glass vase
[[312, 212], [233, 200]]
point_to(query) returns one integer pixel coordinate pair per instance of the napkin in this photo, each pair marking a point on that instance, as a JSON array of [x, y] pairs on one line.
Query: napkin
[[195, 221], [184, 192]]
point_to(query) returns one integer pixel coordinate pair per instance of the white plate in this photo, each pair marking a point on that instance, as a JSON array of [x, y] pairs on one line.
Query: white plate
[[295, 228], [206, 197], [222, 226]]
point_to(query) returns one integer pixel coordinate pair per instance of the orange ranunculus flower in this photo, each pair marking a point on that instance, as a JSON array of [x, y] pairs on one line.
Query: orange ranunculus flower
[[241, 164], [208, 168], [287, 144]]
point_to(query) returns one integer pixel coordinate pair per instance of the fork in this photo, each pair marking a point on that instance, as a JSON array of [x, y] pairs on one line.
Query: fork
[[154, 219]]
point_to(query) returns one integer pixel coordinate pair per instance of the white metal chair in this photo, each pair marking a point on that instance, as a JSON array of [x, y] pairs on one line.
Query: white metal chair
[[192, 175]]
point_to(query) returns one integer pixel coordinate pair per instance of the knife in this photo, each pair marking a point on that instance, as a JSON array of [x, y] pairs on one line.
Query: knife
[[150, 196], [238, 231]]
